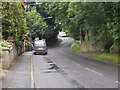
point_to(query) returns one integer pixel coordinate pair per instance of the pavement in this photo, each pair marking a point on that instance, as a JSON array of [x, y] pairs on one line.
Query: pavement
[[19, 76], [0, 84]]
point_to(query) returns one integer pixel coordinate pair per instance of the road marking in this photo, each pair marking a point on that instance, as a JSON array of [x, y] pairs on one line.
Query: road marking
[[117, 82], [94, 71], [32, 74]]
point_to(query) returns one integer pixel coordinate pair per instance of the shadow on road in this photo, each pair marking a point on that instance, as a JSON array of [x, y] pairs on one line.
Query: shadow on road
[[55, 43]]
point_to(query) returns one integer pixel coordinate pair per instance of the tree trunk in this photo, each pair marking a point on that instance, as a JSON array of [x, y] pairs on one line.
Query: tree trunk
[[80, 36], [88, 37]]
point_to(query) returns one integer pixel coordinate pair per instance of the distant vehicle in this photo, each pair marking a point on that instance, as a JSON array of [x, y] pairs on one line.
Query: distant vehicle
[[62, 34], [40, 47], [37, 38]]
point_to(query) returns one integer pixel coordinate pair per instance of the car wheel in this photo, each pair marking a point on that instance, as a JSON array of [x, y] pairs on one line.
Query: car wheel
[[34, 53], [46, 53]]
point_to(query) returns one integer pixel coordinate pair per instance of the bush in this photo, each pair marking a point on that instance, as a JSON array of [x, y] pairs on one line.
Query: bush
[[0, 50], [114, 48], [0, 36], [6, 45], [75, 47]]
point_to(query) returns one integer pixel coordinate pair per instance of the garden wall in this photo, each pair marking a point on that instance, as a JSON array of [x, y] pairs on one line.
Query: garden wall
[[8, 56]]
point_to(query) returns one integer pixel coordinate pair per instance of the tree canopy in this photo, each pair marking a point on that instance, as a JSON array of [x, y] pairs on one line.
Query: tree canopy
[[35, 23], [96, 23], [41, 24]]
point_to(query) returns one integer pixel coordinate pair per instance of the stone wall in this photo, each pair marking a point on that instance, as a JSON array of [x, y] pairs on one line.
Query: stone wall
[[0, 63], [91, 48], [0, 72], [8, 56], [6, 59]]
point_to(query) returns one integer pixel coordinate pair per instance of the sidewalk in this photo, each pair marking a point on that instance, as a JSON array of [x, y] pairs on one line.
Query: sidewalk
[[0, 84], [18, 76]]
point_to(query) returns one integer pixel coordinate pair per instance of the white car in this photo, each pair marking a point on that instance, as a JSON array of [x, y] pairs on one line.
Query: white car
[[62, 34]]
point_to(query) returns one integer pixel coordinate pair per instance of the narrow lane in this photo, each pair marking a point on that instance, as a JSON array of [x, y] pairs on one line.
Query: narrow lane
[[60, 69], [87, 72]]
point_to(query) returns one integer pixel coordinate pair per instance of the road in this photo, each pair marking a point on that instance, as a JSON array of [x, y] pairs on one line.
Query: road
[[60, 69], [63, 69]]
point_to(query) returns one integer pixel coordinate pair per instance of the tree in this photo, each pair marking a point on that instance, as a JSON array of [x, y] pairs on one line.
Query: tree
[[96, 23], [42, 24], [13, 22], [35, 23]]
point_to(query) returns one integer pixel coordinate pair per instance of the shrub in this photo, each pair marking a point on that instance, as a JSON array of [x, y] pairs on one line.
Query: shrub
[[75, 47], [6, 45]]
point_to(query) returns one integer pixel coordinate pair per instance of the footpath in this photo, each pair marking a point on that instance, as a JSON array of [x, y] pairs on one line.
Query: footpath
[[19, 76], [0, 84]]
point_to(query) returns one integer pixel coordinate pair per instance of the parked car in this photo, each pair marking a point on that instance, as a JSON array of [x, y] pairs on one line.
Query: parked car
[[62, 34], [40, 47]]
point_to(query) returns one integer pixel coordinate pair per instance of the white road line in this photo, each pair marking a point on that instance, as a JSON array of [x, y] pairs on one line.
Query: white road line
[[94, 71], [32, 75], [117, 82]]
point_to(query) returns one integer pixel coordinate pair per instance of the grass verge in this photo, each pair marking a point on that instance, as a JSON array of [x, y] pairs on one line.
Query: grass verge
[[107, 57], [113, 58]]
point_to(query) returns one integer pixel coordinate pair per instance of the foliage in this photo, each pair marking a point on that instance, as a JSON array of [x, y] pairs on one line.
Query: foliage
[[6, 44], [0, 36], [35, 23], [40, 26], [75, 47], [97, 23], [109, 57], [13, 21]]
